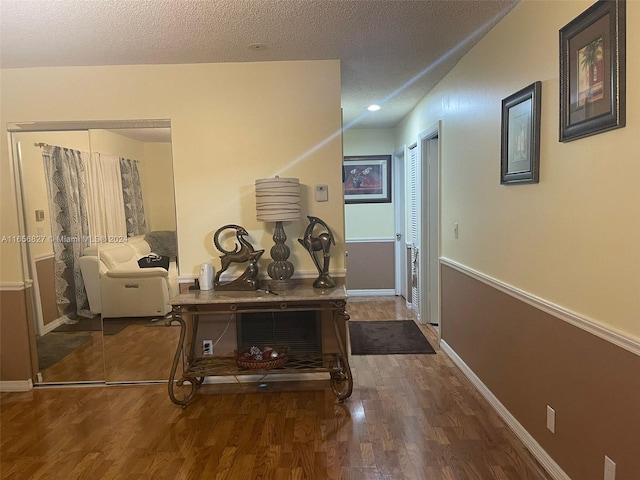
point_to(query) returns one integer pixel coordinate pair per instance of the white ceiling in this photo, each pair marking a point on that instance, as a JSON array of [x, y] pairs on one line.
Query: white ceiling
[[392, 52]]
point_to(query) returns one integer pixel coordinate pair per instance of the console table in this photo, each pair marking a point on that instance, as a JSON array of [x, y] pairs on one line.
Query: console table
[[189, 306]]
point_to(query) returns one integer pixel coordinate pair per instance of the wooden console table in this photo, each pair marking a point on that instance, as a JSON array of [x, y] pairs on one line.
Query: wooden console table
[[188, 306]]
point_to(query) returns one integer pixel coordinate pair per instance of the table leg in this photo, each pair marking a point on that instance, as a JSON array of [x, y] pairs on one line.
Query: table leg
[[341, 381], [172, 384]]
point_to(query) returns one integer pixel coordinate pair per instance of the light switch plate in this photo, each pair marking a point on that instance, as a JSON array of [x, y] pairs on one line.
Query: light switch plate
[[322, 193]]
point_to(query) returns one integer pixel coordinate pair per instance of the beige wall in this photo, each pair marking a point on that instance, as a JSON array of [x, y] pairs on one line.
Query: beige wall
[[231, 124], [358, 217], [571, 240], [109, 143], [158, 186]]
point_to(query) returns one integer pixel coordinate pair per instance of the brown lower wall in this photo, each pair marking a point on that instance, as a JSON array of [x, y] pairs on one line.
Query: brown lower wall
[[15, 336], [530, 359], [45, 269], [370, 265]]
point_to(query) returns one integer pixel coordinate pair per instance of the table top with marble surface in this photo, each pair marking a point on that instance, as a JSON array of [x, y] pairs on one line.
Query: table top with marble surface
[[301, 293]]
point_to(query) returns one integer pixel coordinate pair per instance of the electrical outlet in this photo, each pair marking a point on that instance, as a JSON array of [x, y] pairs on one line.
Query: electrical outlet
[[609, 469], [207, 347], [551, 419], [455, 230]]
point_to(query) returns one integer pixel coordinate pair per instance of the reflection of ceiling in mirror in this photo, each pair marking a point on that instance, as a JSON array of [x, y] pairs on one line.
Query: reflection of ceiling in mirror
[[41, 126], [148, 131], [147, 135]]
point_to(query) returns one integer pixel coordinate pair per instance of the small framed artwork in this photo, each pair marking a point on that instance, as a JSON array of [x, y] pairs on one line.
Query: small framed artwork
[[520, 150], [592, 71], [367, 179]]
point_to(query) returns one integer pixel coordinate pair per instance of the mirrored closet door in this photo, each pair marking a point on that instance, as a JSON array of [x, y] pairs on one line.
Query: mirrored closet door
[[94, 202]]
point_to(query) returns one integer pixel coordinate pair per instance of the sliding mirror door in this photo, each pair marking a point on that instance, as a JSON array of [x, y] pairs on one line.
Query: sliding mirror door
[[138, 345], [94, 201], [68, 336]]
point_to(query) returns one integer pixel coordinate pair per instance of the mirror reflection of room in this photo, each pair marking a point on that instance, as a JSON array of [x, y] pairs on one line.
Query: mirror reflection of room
[[101, 201]]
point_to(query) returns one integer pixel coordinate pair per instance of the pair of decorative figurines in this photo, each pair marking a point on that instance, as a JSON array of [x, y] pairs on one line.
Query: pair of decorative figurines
[[318, 247]]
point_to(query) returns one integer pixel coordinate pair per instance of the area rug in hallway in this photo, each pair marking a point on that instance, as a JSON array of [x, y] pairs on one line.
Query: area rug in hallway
[[387, 337]]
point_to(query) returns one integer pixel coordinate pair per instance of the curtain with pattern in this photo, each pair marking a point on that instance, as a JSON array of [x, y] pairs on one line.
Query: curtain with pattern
[[67, 197], [132, 195]]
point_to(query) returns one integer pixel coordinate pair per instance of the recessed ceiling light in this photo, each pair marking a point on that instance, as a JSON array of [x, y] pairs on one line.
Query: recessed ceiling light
[[373, 108], [257, 46]]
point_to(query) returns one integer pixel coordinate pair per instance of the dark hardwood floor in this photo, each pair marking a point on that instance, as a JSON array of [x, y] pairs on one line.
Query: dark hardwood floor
[[410, 417]]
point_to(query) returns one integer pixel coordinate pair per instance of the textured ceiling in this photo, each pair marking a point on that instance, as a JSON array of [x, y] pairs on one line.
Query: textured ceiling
[[392, 52]]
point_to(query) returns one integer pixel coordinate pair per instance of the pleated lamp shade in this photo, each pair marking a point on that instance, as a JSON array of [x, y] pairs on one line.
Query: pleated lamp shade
[[277, 199]]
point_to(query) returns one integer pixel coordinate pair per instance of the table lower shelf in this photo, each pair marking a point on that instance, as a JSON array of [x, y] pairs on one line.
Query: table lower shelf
[[199, 368], [220, 366]]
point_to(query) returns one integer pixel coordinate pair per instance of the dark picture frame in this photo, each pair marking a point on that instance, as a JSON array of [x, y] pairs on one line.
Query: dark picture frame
[[593, 71], [520, 149], [367, 179]]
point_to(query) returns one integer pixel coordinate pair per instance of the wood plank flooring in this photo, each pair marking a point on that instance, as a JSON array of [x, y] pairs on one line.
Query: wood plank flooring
[[410, 417]]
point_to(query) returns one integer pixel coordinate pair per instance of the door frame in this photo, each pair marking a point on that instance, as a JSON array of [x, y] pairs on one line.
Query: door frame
[[400, 224], [431, 219]]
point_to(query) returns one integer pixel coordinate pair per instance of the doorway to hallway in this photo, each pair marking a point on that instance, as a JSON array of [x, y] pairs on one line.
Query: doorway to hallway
[[422, 220]]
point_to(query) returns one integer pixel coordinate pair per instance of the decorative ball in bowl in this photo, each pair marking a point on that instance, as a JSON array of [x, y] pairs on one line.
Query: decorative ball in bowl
[[262, 358]]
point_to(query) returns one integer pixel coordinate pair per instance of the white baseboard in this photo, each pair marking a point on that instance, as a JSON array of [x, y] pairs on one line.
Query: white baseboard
[[52, 325], [380, 292], [525, 437], [16, 386]]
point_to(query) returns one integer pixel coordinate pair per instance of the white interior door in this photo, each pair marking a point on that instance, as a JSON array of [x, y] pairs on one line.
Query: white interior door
[[430, 162]]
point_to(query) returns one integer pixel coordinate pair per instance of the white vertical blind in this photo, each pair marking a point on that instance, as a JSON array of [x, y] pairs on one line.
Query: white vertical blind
[[414, 223]]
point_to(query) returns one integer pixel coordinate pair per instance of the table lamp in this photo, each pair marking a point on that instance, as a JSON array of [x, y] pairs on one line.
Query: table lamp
[[278, 200]]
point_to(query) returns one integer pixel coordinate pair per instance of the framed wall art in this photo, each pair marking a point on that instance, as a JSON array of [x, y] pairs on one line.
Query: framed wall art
[[592, 71], [367, 179], [520, 149]]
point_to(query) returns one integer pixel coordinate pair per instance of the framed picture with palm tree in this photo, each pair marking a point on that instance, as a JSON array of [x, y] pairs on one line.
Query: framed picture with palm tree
[[592, 71]]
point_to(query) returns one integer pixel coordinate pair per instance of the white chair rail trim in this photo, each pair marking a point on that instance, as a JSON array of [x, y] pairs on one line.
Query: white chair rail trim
[[380, 292], [15, 286], [606, 333], [370, 240]]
